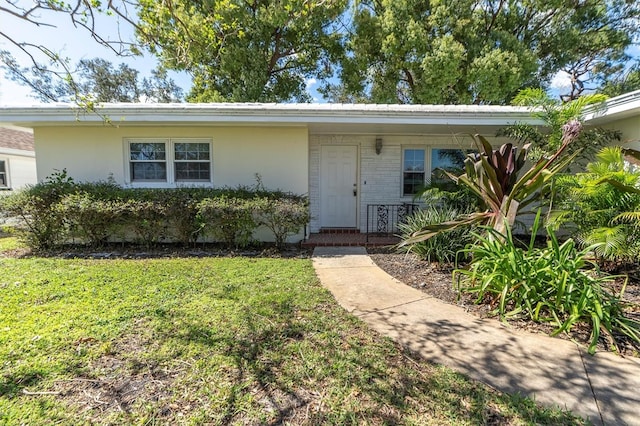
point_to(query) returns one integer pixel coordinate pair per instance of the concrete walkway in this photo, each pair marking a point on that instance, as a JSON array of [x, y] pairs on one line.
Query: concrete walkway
[[605, 387]]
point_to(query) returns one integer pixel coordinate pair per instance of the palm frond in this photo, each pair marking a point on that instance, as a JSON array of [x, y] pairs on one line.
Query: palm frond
[[433, 230], [608, 242], [632, 218]]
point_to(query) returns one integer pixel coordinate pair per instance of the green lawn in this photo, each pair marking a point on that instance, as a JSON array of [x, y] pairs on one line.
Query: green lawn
[[213, 341]]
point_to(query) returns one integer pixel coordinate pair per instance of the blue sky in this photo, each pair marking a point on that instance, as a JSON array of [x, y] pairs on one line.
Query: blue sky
[[70, 42]]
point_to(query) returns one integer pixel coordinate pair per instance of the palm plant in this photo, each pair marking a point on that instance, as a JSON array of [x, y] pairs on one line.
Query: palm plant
[[555, 114], [603, 205]]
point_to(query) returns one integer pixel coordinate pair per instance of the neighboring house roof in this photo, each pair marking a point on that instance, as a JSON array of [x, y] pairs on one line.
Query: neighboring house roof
[[16, 139]]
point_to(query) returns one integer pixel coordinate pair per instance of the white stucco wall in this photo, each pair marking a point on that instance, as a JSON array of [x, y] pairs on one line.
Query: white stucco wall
[[630, 128], [278, 154], [21, 168], [379, 176]]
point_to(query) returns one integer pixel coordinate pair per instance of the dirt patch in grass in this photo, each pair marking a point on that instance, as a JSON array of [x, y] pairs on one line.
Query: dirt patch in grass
[[437, 281], [119, 381]]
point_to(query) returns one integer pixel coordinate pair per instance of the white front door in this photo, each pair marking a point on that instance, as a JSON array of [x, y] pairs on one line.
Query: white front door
[[338, 186]]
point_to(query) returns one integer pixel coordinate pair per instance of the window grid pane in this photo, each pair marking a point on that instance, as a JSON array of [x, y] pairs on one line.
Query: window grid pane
[[192, 161], [190, 171], [147, 151], [414, 160], [412, 183], [413, 168], [148, 171], [191, 152]]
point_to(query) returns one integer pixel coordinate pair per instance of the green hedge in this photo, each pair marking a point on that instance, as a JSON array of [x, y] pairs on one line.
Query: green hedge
[[59, 211]]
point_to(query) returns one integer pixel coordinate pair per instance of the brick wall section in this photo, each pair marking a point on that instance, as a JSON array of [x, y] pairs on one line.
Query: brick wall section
[[379, 175]]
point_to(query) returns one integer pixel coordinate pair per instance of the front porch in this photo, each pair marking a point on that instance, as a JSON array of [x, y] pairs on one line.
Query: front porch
[[347, 238]]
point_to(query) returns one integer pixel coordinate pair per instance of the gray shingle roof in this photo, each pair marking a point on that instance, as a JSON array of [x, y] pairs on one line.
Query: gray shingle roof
[[16, 139]]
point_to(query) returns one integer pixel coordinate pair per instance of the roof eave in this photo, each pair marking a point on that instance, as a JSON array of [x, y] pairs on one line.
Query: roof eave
[[273, 114], [617, 108]]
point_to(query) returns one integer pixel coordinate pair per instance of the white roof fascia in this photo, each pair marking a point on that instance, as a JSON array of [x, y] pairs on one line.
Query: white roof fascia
[[289, 114], [18, 152], [613, 109]]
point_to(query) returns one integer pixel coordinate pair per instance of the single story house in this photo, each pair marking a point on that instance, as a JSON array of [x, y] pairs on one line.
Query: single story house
[[348, 159], [17, 159]]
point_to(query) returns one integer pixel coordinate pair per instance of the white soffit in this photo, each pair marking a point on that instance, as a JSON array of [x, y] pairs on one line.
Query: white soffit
[[321, 117]]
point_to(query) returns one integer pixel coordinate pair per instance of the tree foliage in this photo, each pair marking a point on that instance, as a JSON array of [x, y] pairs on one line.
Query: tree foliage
[[407, 51], [97, 80], [51, 75], [628, 81], [482, 52], [255, 50]]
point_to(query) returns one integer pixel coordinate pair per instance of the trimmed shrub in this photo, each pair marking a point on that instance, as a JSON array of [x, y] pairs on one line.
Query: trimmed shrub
[[230, 220], [183, 222], [147, 219], [42, 226], [445, 247], [59, 209], [283, 216], [93, 220]]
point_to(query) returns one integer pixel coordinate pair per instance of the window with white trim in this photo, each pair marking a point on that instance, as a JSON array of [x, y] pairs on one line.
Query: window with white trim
[[169, 160], [192, 161], [419, 169], [148, 161], [4, 181], [413, 175], [446, 159]]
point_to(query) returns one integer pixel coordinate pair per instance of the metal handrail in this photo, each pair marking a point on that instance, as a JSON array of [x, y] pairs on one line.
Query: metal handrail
[[383, 219]]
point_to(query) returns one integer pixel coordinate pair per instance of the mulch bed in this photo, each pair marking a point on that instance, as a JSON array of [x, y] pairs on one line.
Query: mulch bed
[[437, 281], [162, 251]]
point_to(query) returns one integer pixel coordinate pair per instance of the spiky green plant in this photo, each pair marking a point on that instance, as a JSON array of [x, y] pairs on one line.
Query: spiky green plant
[[443, 248], [550, 285]]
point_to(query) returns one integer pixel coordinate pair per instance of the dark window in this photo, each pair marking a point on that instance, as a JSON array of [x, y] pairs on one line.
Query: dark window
[[192, 161], [450, 160], [3, 175], [148, 161], [412, 171]]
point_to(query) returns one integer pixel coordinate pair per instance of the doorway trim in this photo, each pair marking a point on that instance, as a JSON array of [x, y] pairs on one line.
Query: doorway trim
[[338, 206]]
